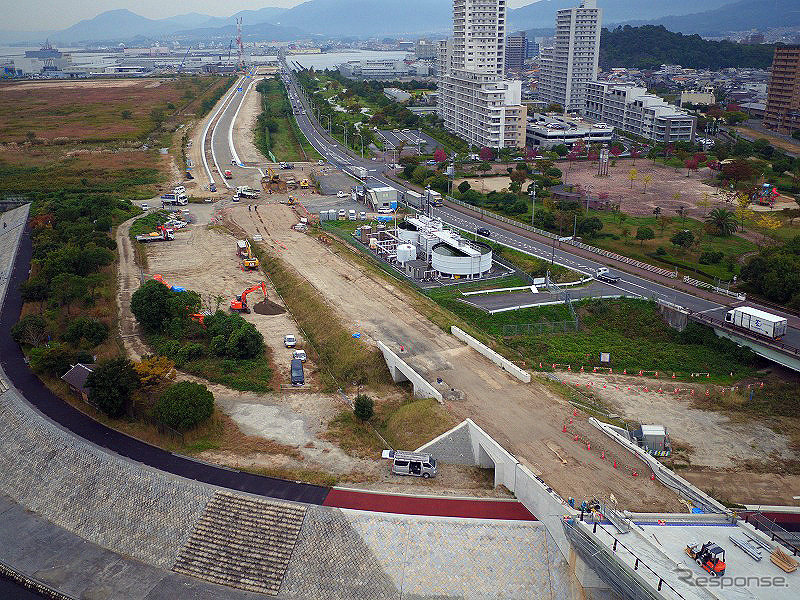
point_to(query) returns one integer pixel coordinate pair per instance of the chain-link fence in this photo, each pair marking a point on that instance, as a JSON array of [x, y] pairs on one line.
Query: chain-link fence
[[540, 328]]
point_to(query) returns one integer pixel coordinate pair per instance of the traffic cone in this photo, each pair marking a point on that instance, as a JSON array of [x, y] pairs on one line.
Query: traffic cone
[[624, 371], [581, 368], [673, 375], [610, 370], [707, 393], [604, 386], [565, 428], [615, 463], [575, 413], [588, 445], [635, 473], [708, 375], [692, 392], [603, 454], [570, 420], [569, 368], [652, 476], [576, 437]]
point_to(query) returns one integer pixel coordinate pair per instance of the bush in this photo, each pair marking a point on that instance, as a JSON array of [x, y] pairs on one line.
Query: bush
[[184, 405], [660, 251], [31, 330], [54, 359], [150, 305], [363, 407], [92, 331], [710, 258], [111, 386], [188, 352]]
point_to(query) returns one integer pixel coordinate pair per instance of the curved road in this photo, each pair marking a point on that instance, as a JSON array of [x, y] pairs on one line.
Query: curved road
[[630, 283]]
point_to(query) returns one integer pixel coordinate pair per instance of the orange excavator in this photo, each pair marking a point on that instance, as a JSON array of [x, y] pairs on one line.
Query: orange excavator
[[239, 303]]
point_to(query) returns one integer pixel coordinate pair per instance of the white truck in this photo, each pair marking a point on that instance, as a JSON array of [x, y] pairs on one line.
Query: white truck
[[414, 199], [360, 172], [175, 198], [245, 192], [757, 321]]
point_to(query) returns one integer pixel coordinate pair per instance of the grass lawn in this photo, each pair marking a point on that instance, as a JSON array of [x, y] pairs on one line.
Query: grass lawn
[[284, 143]]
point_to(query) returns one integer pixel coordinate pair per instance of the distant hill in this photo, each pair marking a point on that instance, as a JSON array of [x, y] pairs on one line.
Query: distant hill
[[542, 14], [650, 46], [270, 14], [738, 16], [365, 18], [261, 31]]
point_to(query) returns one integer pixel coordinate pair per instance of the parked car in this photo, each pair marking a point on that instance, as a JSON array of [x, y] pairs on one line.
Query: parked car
[[362, 215], [213, 187], [145, 206], [342, 213], [289, 340], [483, 231], [340, 194], [298, 377], [320, 162], [300, 355]]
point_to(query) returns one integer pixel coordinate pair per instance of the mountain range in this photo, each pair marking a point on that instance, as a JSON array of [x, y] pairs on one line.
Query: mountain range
[[369, 18]]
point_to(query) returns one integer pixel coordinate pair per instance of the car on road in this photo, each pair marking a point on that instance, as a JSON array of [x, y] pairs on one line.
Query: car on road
[[483, 231], [289, 340], [340, 194], [213, 187], [145, 206], [320, 162], [603, 274]]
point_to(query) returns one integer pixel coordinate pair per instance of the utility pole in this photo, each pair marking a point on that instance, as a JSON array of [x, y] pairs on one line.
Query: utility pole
[[575, 227], [533, 203]]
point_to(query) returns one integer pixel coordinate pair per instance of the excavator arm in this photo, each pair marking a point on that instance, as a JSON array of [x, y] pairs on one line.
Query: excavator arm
[[240, 302]]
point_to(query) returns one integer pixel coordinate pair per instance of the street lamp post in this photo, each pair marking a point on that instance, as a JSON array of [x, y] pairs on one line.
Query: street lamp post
[[330, 127], [533, 203], [360, 135]]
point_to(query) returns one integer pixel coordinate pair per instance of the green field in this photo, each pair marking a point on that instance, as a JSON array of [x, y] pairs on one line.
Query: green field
[[276, 129]]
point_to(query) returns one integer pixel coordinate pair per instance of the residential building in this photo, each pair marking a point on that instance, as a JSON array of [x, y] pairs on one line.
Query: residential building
[[516, 47], [531, 48], [545, 131], [631, 109], [704, 97], [475, 101], [572, 61], [782, 112], [426, 50]]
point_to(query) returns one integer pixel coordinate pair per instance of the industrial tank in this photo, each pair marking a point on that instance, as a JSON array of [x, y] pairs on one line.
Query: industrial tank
[[474, 260], [405, 253]]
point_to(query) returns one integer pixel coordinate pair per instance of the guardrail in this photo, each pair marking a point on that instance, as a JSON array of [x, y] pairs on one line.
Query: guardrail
[[714, 288], [593, 249]]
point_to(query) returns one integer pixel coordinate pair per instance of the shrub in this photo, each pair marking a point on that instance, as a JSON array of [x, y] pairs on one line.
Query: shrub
[[31, 330], [188, 352], [710, 258], [92, 331], [54, 359], [245, 342], [184, 405], [660, 251], [363, 407]]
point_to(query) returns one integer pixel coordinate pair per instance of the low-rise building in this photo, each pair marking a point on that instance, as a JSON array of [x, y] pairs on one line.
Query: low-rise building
[[630, 108], [396, 94], [548, 130], [704, 97], [374, 69]]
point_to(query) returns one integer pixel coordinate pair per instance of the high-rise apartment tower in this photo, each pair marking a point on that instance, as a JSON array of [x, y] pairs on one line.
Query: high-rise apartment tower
[[572, 61], [475, 102], [783, 95]]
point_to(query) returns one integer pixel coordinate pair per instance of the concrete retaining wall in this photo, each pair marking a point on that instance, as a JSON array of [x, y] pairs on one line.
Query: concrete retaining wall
[[401, 371], [675, 316], [493, 356], [662, 473]]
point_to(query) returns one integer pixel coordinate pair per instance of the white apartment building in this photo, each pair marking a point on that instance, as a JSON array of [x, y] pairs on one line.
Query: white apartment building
[[572, 60], [632, 109], [475, 102]]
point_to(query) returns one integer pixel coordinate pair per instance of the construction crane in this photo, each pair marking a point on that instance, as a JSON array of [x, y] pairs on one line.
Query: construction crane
[[239, 303], [185, 56]]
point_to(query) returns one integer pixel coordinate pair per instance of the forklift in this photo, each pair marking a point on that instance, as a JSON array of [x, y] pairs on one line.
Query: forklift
[[709, 556]]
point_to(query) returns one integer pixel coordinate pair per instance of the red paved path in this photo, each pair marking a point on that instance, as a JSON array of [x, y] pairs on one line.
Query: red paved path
[[434, 507]]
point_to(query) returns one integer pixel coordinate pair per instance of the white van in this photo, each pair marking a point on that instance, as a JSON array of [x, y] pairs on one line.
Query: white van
[[418, 464], [351, 215]]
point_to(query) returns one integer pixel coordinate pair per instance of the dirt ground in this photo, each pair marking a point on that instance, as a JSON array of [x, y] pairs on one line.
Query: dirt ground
[[713, 443], [72, 84], [526, 419]]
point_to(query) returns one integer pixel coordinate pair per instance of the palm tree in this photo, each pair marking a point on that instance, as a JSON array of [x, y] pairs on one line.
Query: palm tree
[[723, 219]]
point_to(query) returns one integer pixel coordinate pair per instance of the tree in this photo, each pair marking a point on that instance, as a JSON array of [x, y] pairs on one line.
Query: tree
[[590, 226], [633, 175], [463, 186], [87, 330], [363, 407], [768, 223], [158, 117], [184, 405], [645, 180], [245, 342], [737, 170], [486, 154], [691, 164], [483, 167], [625, 232], [683, 239], [519, 177], [615, 151], [439, 155], [743, 210], [560, 149], [54, 359], [111, 386], [636, 152], [554, 108], [644, 233], [663, 222], [66, 288], [705, 200], [150, 305], [30, 330], [723, 220], [152, 370]]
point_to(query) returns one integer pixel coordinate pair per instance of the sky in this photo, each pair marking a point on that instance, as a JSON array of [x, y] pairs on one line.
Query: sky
[[42, 15]]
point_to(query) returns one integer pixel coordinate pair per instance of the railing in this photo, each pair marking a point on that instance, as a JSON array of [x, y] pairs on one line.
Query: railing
[[775, 531], [714, 288]]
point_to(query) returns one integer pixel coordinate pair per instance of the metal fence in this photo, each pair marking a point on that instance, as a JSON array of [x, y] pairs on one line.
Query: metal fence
[[775, 531], [541, 327]]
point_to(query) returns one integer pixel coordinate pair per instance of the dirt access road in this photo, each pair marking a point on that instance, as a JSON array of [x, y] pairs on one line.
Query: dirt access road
[[526, 419]]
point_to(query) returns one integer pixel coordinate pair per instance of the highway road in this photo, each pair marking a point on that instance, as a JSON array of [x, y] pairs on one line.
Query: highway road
[[332, 150]]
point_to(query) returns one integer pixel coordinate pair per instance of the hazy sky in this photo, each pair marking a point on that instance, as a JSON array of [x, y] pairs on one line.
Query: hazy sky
[[40, 15]]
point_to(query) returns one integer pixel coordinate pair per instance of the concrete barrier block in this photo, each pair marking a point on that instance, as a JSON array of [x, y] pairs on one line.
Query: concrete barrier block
[[493, 356]]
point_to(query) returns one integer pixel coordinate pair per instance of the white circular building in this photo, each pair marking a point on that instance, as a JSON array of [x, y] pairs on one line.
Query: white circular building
[[456, 256]]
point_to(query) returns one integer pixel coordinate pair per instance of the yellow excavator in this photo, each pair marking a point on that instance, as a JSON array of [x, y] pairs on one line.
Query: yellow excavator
[[291, 200], [273, 176], [249, 260]]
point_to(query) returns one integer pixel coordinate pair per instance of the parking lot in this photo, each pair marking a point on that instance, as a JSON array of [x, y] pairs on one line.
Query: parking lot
[[409, 137]]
